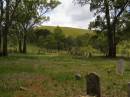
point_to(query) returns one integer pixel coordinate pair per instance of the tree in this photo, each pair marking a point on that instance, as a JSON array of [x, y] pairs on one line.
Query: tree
[[29, 14], [123, 28], [70, 42], [24, 14], [50, 42], [110, 12], [40, 37], [7, 11], [8, 8], [59, 37], [41, 33], [1, 20], [101, 42]]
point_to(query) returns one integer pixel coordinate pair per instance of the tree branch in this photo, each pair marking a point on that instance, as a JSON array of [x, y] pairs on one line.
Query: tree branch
[[121, 11], [15, 7]]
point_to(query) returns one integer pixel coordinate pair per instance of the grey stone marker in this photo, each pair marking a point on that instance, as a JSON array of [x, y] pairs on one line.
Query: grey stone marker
[[128, 89], [93, 85], [120, 67]]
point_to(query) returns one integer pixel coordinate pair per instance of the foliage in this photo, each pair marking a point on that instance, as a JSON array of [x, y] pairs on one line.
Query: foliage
[[39, 34], [108, 14], [57, 40], [28, 14], [50, 42], [99, 42], [70, 42], [60, 37]]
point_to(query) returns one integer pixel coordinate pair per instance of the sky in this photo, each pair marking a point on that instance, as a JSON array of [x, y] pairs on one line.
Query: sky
[[68, 14]]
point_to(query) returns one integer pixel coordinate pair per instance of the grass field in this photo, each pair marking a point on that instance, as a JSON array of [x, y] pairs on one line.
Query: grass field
[[54, 76], [68, 31]]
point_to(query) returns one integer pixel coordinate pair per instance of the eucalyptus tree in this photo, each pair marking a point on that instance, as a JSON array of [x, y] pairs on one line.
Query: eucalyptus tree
[[109, 11], [31, 13], [7, 11], [123, 28]]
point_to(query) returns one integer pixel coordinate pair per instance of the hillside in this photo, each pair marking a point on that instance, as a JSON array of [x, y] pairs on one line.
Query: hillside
[[68, 31]]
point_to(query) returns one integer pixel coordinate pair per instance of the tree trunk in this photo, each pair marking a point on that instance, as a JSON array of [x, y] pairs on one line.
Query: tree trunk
[[6, 29], [114, 40], [111, 30], [1, 28], [5, 52], [20, 45], [110, 33], [0, 40], [112, 45], [25, 43], [19, 38]]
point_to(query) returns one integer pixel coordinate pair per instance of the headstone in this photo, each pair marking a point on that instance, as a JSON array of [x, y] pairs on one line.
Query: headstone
[[78, 76], [120, 67], [129, 89], [93, 85], [23, 88]]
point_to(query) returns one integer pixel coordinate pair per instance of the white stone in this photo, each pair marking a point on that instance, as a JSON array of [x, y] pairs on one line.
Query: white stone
[[120, 67]]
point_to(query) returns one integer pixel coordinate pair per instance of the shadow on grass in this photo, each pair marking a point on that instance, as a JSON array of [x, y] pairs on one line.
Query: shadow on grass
[[20, 56], [101, 58], [16, 56]]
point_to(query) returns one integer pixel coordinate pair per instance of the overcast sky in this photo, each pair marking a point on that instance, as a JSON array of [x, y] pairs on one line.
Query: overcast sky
[[69, 15]]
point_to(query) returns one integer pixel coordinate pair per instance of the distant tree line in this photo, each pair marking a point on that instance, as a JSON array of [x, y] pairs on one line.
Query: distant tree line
[[57, 40]]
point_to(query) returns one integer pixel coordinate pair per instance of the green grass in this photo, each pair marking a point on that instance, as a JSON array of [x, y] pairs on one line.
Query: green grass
[[68, 31], [54, 76]]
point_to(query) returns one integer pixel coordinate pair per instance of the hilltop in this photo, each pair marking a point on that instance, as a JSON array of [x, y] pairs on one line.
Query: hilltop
[[68, 31]]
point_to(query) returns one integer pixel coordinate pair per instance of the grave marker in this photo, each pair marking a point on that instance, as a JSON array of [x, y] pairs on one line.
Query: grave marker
[[120, 67], [93, 85]]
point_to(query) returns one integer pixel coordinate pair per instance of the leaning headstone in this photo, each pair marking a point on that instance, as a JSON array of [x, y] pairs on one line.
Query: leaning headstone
[[120, 67], [129, 89], [93, 85]]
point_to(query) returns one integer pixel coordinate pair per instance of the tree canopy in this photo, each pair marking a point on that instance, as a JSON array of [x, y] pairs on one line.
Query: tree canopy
[[109, 13], [22, 15]]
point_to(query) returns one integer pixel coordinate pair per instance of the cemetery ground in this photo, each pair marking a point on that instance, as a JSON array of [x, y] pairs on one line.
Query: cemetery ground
[[54, 76]]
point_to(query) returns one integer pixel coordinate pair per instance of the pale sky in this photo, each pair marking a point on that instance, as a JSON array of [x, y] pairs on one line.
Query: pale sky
[[69, 15]]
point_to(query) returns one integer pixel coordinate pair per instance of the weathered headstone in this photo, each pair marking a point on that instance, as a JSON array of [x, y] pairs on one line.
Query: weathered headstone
[[23, 88], [120, 67], [93, 85], [128, 89]]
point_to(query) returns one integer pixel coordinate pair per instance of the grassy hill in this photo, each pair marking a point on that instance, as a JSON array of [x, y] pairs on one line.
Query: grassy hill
[[68, 31]]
